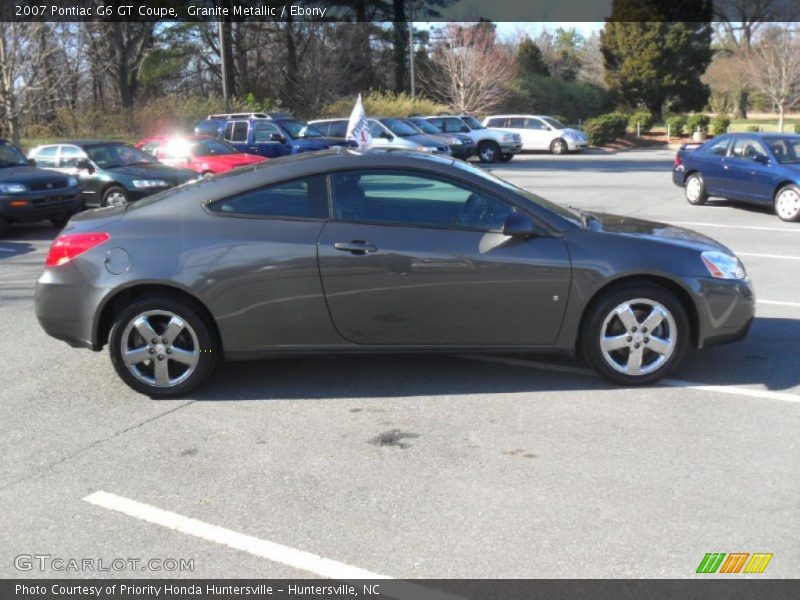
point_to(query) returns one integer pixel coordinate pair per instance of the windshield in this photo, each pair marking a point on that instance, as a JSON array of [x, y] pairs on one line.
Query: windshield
[[400, 129], [561, 211], [298, 129], [554, 123], [472, 122], [109, 156], [425, 126], [10, 156], [213, 148], [786, 150]]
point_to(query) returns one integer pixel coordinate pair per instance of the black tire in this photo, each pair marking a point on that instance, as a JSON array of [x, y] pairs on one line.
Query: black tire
[[598, 322], [207, 347], [694, 188], [112, 191], [3, 225], [558, 146], [488, 151], [506, 157], [787, 203], [59, 222]]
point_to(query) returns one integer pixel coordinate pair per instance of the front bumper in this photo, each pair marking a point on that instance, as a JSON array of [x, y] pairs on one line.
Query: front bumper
[[462, 152], [725, 309], [35, 206], [510, 147], [573, 144]]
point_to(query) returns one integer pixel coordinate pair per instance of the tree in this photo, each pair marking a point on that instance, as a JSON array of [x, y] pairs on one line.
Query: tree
[[529, 59], [774, 68], [655, 53], [469, 70]]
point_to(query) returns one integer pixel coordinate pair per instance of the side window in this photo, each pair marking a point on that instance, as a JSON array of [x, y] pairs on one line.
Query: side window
[[454, 126], [437, 123], [719, 147], [376, 130], [70, 156], [747, 148], [299, 198], [495, 122], [516, 123], [323, 128], [150, 147], [46, 157], [534, 124], [239, 132], [262, 132], [402, 198], [338, 129]]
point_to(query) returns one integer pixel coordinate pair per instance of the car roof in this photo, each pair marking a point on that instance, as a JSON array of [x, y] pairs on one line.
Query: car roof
[[764, 134], [81, 143], [518, 115]]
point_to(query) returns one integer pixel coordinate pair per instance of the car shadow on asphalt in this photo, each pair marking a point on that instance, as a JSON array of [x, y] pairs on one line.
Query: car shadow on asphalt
[[29, 232], [611, 164], [12, 249], [757, 360]]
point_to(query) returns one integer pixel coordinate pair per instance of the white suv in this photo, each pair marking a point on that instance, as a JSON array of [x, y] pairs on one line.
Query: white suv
[[540, 133], [491, 144]]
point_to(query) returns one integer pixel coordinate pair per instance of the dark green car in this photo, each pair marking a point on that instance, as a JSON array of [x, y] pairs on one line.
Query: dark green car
[[110, 173]]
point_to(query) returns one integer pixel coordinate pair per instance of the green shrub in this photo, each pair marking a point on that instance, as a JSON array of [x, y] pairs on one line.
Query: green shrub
[[644, 118], [697, 121], [385, 104], [720, 124], [797, 127], [676, 124], [572, 101], [605, 128]]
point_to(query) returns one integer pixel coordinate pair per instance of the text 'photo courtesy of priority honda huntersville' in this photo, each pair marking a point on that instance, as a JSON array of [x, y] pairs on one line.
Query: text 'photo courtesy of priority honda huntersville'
[[380, 251]]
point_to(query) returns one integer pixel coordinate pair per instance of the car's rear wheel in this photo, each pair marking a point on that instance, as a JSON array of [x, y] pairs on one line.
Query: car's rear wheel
[[488, 152], [505, 157], [695, 189], [162, 347], [635, 335], [115, 196], [787, 203], [558, 146]]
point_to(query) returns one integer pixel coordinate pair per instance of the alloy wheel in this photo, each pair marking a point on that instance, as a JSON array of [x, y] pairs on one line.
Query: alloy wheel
[[638, 336], [693, 189], [787, 204], [116, 199], [160, 349]]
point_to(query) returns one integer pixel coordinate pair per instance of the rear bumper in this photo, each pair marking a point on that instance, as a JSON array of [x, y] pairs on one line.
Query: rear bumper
[[678, 176], [66, 306], [725, 308], [36, 206]]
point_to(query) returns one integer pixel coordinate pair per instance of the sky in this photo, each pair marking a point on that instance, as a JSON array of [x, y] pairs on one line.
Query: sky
[[508, 29]]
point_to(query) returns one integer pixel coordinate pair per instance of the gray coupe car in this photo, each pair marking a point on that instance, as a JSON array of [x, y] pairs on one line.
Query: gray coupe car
[[377, 251]]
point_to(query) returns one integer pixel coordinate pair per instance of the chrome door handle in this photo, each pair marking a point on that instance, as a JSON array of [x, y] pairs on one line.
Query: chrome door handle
[[355, 247]]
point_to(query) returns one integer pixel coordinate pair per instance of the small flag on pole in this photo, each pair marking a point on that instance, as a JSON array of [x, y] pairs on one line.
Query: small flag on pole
[[358, 127]]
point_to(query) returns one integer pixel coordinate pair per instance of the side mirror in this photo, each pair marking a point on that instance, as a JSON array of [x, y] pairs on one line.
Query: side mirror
[[85, 165], [32, 162], [761, 159], [519, 225], [277, 137]]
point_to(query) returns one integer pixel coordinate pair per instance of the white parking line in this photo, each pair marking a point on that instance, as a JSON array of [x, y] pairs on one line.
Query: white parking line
[[776, 256], [779, 303], [692, 385], [292, 557], [753, 227]]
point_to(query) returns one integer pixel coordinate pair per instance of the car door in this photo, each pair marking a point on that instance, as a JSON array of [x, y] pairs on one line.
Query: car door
[[413, 259], [70, 159], [711, 161], [516, 125], [236, 134], [537, 135], [750, 175]]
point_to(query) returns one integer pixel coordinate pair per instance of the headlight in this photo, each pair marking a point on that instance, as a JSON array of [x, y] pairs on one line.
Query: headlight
[[455, 142], [568, 135], [723, 266], [72, 181], [508, 137], [424, 149], [149, 183], [12, 188]]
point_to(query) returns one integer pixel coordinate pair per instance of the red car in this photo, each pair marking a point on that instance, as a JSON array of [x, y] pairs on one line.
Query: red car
[[201, 153]]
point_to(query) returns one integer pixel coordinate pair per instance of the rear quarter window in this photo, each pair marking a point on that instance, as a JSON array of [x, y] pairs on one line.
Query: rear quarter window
[[303, 198]]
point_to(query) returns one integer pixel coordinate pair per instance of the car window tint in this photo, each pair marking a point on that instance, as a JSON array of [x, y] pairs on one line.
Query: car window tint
[[400, 198], [71, 156], [207, 128], [238, 132], [453, 126], [299, 198], [747, 148], [46, 157], [149, 147], [786, 150], [323, 128], [535, 124], [495, 122], [516, 122], [338, 129], [262, 132], [376, 129], [719, 148]]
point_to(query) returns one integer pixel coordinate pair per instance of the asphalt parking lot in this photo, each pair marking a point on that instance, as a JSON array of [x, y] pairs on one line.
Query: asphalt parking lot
[[419, 466]]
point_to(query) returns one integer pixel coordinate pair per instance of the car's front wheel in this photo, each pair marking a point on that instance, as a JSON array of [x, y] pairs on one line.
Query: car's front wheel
[[505, 157], [636, 334], [488, 152], [787, 203], [558, 146], [162, 347], [695, 189], [115, 196]]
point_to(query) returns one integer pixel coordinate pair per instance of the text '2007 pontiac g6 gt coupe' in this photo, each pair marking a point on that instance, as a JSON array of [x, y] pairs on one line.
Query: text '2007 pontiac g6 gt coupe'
[[347, 251]]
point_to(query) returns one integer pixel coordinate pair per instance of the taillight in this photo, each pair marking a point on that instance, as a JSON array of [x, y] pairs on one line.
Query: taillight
[[677, 160], [68, 246]]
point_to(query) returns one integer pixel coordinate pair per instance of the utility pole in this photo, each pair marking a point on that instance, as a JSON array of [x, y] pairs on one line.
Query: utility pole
[[411, 44], [223, 60]]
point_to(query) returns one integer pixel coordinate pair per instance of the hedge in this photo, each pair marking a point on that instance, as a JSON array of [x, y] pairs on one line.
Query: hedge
[[720, 124], [605, 128], [643, 118], [676, 124], [697, 121]]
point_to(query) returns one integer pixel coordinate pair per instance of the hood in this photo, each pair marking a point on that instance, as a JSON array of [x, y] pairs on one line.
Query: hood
[[576, 132], [155, 171], [662, 232], [28, 175]]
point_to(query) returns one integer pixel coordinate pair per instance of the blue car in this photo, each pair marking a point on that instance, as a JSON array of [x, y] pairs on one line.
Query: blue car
[[759, 168], [268, 134]]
